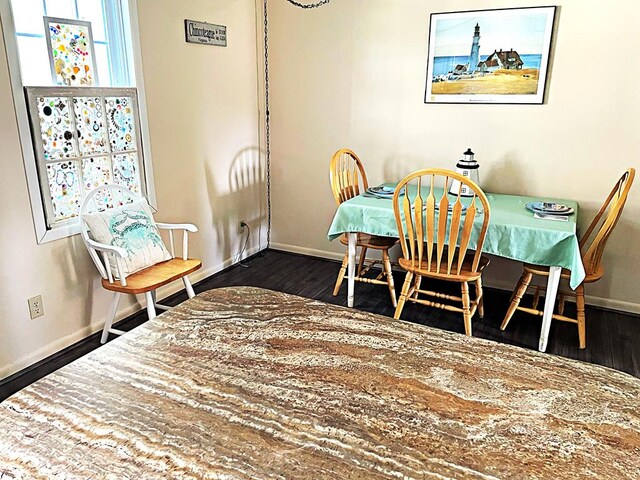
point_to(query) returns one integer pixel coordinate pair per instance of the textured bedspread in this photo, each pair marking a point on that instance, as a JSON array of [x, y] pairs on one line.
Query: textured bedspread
[[249, 383]]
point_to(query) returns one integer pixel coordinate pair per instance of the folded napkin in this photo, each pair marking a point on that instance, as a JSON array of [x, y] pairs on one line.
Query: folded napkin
[[557, 218]]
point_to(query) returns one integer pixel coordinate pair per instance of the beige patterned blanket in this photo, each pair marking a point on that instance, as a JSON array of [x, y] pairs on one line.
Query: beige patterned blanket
[[249, 383]]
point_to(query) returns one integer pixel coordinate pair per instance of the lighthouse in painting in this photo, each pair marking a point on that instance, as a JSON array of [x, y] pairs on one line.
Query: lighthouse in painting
[[474, 57]]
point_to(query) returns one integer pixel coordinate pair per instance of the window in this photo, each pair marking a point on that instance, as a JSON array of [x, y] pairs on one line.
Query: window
[[109, 38], [49, 115]]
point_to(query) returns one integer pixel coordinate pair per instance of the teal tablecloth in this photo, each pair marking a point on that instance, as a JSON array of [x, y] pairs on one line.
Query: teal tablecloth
[[513, 231]]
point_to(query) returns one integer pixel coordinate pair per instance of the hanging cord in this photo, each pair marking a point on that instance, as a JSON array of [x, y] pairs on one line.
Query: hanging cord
[[309, 5], [267, 134], [243, 249], [266, 103]]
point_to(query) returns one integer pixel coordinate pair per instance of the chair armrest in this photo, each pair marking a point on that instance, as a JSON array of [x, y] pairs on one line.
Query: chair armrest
[[105, 270], [178, 226], [186, 227], [103, 247]]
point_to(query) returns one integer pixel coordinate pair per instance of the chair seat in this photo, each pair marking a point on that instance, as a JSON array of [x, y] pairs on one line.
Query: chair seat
[[566, 274], [154, 276], [371, 241], [466, 273]]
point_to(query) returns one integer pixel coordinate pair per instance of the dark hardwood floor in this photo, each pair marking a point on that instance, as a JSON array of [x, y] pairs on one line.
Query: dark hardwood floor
[[613, 338]]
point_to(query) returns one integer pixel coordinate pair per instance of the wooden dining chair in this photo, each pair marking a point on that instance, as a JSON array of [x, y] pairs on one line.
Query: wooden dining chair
[[592, 245], [438, 234], [124, 243], [348, 180]]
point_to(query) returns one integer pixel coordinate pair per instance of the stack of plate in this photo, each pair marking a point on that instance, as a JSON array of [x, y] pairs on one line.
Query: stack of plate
[[547, 208], [381, 191]]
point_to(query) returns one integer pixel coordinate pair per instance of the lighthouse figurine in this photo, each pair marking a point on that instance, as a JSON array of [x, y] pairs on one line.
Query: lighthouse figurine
[[468, 167]]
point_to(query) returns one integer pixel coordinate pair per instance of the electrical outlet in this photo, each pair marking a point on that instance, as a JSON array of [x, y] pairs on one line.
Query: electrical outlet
[[241, 226], [36, 309]]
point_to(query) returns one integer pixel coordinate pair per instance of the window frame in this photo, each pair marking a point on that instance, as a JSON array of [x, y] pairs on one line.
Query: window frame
[[43, 233]]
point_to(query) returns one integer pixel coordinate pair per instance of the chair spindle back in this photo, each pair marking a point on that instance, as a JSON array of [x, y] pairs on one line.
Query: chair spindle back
[[606, 219], [347, 175], [425, 232]]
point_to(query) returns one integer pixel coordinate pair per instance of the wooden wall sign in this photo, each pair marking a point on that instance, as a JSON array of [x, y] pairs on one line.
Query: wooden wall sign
[[205, 33]]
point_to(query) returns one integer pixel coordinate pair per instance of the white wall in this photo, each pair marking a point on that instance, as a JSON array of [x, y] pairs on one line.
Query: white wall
[[352, 74], [203, 119]]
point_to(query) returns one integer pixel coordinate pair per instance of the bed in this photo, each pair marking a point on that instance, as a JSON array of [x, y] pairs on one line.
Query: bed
[[242, 382]]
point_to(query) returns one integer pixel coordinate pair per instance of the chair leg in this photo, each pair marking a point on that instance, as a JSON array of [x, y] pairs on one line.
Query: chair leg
[[536, 298], [418, 285], [520, 290], [480, 298], [581, 316], [363, 258], [151, 306], [110, 316], [188, 287], [466, 308], [403, 295], [341, 274], [387, 268]]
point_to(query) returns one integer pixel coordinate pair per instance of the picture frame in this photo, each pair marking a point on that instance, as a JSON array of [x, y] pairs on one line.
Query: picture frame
[[72, 56], [497, 56]]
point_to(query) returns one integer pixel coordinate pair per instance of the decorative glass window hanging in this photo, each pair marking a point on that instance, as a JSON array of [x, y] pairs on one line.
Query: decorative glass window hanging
[[71, 52], [87, 137]]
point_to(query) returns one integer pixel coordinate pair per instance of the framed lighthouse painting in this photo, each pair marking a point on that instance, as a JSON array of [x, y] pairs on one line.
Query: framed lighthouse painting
[[489, 56]]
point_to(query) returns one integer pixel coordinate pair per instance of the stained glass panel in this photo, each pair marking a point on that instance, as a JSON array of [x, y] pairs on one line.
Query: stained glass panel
[[121, 124], [65, 189], [56, 128], [126, 172], [90, 121], [87, 140], [96, 171], [105, 199], [71, 52]]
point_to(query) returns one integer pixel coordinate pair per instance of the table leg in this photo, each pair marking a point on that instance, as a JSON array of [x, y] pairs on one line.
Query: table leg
[[549, 302], [351, 273]]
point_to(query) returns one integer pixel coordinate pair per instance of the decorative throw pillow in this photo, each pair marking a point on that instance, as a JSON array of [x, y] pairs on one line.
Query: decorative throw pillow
[[132, 228]]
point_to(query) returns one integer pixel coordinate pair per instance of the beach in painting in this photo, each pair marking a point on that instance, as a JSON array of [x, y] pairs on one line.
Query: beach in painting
[[499, 82]]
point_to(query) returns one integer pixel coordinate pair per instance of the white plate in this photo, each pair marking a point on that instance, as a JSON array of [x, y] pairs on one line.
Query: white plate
[[549, 208], [381, 192]]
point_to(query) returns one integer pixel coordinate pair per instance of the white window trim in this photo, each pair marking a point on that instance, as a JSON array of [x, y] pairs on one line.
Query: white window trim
[[43, 234]]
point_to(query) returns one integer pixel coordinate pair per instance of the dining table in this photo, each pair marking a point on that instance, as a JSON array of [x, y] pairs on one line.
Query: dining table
[[515, 232]]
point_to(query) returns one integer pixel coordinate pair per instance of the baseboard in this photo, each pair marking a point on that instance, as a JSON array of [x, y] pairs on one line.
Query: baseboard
[[607, 303], [591, 300], [617, 305], [307, 251], [52, 348]]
